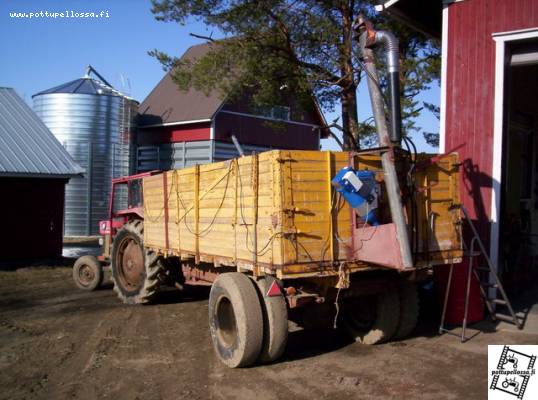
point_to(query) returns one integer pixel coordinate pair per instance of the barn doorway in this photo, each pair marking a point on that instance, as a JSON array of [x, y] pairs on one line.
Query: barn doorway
[[518, 239]]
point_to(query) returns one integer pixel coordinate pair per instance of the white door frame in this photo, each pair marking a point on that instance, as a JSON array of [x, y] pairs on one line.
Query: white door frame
[[501, 41], [444, 77]]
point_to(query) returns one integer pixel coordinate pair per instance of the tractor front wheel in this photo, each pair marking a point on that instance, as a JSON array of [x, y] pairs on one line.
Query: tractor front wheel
[[88, 273]]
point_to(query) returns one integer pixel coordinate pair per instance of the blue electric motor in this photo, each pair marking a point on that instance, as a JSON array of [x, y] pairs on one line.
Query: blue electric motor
[[359, 189]]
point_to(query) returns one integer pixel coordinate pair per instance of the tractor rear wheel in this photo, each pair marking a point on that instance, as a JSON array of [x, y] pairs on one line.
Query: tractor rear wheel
[[373, 319], [235, 319], [135, 269], [88, 273]]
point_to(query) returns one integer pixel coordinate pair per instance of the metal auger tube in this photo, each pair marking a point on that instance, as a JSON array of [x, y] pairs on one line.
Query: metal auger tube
[[368, 37]]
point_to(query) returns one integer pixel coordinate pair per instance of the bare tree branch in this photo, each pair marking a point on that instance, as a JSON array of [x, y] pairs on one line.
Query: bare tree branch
[[208, 38]]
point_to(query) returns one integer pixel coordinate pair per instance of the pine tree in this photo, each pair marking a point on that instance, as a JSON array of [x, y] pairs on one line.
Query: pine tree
[[276, 48]]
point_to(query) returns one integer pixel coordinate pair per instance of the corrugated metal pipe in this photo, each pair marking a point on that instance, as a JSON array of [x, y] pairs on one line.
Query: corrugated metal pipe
[[390, 42]]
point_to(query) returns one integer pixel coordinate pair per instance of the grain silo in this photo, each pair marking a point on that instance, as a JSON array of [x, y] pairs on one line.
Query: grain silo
[[95, 123]]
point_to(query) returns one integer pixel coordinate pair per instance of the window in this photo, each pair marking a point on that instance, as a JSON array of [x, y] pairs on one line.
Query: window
[[275, 112], [280, 112]]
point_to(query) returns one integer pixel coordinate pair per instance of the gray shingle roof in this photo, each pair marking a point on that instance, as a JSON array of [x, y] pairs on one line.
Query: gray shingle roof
[[27, 146]]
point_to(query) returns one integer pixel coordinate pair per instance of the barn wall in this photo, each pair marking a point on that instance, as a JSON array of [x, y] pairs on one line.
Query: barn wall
[[263, 132], [298, 113], [168, 156], [32, 217], [174, 134], [470, 90]]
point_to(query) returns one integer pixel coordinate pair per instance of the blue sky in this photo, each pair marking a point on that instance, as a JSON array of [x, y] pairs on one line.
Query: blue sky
[[40, 53]]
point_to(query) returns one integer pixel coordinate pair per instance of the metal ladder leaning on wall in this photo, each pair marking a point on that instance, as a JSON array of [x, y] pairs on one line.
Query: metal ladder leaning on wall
[[472, 252]]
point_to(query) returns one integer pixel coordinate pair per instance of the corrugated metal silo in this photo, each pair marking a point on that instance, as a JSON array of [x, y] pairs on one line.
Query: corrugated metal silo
[[95, 123]]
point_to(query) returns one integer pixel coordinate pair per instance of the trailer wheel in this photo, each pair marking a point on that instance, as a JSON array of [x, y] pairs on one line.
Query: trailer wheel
[[88, 273], [135, 269], [235, 319], [409, 309], [373, 319], [275, 322]]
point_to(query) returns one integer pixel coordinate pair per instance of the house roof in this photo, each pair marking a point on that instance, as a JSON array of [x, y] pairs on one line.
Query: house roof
[[27, 147], [422, 15], [168, 104]]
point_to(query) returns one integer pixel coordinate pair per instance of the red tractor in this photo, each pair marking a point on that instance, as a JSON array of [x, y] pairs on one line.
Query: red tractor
[[122, 240]]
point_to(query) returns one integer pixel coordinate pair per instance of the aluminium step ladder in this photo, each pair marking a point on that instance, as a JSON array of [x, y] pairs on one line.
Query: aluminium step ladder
[[486, 286]]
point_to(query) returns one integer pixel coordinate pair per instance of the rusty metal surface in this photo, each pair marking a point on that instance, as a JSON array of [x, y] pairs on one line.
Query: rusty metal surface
[[198, 276], [86, 275], [131, 264]]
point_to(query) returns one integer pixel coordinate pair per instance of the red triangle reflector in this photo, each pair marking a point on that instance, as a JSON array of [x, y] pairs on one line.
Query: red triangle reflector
[[274, 290]]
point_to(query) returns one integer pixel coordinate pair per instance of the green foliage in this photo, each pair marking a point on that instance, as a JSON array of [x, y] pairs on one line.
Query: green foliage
[[432, 138], [274, 49]]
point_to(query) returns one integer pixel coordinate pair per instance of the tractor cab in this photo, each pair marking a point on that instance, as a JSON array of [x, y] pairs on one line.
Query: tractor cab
[[125, 203]]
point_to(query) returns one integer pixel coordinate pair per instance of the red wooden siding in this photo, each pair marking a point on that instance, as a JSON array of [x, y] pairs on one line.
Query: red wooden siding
[[173, 134], [470, 88], [257, 131]]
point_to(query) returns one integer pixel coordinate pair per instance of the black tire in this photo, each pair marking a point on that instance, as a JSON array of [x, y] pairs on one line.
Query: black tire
[[88, 273], [275, 322], [235, 319], [409, 309], [385, 317], [135, 269]]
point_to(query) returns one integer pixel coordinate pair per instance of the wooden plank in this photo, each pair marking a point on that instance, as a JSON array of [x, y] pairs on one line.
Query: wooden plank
[[197, 212]]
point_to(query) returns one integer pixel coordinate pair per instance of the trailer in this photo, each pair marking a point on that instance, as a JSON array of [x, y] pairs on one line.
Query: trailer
[[324, 238]]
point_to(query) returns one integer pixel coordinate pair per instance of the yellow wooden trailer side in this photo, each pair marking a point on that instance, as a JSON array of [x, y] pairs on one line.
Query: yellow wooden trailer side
[[276, 212]]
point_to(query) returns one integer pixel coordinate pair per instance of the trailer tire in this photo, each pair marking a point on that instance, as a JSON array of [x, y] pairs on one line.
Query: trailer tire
[[409, 309], [135, 269], [88, 273], [275, 322], [235, 319], [384, 323]]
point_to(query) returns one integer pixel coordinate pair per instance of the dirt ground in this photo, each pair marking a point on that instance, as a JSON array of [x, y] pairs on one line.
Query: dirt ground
[[59, 342]]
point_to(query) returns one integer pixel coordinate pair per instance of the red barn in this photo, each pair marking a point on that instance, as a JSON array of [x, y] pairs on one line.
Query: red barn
[[181, 128], [489, 115]]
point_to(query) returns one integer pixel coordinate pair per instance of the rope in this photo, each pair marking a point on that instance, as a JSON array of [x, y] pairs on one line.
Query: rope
[[161, 211], [207, 229], [341, 278], [266, 247]]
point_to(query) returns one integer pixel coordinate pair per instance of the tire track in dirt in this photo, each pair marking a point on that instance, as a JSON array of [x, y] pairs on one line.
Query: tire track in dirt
[[87, 351]]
